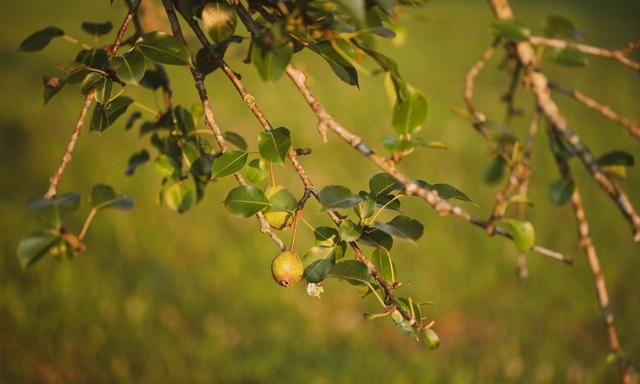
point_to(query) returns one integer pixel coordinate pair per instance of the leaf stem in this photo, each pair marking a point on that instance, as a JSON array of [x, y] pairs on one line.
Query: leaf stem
[[75, 41], [87, 224]]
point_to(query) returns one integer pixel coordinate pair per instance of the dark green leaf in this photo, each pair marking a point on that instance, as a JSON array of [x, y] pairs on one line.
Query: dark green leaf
[[383, 184], [373, 237], [97, 29], [130, 67], [51, 86], [91, 82], [229, 163], [35, 246], [245, 201], [104, 116], [445, 191], [402, 227], [40, 39], [275, 144], [338, 196], [560, 191], [164, 49], [184, 119], [103, 196], [494, 171], [317, 262], [340, 66], [236, 140], [511, 30], [136, 160], [93, 58], [355, 272], [616, 158], [51, 211], [558, 26]]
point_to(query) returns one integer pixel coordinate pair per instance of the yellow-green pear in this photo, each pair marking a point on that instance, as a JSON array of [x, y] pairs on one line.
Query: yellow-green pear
[[287, 269]]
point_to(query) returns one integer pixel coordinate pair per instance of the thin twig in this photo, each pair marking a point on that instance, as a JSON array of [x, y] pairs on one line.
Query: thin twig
[[587, 49], [441, 206], [211, 121], [540, 88], [594, 263], [66, 158], [469, 82], [631, 125]]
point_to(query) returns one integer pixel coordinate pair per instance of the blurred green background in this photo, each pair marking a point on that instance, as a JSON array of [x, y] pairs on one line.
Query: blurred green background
[[162, 297]]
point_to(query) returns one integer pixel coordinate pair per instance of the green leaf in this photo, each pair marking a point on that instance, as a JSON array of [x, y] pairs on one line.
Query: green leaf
[[136, 160], [523, 232], [383, 184], [381, 258], [401, 144], [337, 197], [494, 171], [40, 39], [236, 140], [560, 191], [103, 196], [402, 227], [245, 201], [163, 49], [340, 66], [229, 163], [275, 144], [616, 158], [271, 63], [256, 171], [130, 67], [178, 197], [91, 82], [410, 114], [354, 271], [280, 199], [570, 56], [402, 324], [34, 246], [166, 166], [350, 231], [431, 339], [326, 237], [191, 153], [445, 191], [373, 237], [103, 89], [219, 20], [97, 29], [104, 116], [558, 26], [184, 119], [511, 30], [317, 262], [51, 211], [93, 58], [51, 86]]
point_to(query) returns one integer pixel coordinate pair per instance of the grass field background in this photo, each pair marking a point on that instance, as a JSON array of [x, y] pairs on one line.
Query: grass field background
[[162, 297]]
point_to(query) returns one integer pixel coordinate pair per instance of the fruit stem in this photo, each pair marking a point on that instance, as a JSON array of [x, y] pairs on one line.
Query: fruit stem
[[272, 174], [296, 217]]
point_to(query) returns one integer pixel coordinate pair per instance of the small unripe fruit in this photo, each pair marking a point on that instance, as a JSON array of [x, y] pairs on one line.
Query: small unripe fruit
[[219, 20], [287, 269], [280, 215]]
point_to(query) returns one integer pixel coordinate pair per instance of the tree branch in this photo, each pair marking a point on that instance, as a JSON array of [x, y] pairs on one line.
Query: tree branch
[[540, 88], [632, 126], [469, 82], [587, 49], [441, 206], [66, 158], [210, 117]]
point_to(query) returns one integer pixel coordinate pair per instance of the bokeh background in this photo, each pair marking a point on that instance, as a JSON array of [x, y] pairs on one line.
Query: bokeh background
[[162, 297]]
